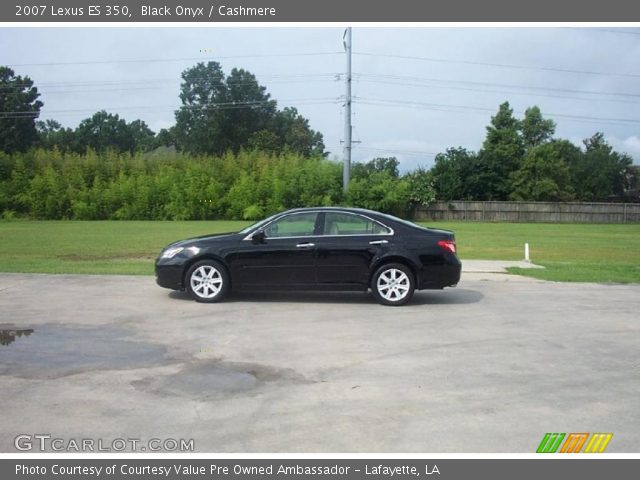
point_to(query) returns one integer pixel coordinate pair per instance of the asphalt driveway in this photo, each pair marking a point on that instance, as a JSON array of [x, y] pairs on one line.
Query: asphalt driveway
[[490, 366]]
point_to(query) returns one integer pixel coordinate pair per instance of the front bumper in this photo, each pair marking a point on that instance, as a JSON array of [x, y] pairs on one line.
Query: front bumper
[[169, 276]]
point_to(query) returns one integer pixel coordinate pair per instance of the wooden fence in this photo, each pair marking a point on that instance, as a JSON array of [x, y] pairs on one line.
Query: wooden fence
[[534, 212]]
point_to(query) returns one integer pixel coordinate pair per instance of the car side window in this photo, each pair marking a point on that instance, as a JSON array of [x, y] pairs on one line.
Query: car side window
[[349, 224], [295, 225]]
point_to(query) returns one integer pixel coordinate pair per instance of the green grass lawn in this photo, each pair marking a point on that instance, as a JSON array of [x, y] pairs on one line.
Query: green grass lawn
[[126, 247], [570, 252]]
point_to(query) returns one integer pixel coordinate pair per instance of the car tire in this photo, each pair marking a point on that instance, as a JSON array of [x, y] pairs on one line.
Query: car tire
[[393, 284], [207, 281]]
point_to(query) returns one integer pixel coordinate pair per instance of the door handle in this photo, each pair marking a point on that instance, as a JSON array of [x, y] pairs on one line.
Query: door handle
[[305, 245], [378, 242]]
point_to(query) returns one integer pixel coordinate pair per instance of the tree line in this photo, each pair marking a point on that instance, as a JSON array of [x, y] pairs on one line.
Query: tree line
[[521, 160], [219, 113], [236, 155]]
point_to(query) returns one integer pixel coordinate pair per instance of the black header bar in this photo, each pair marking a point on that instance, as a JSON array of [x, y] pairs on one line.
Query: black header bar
[[259, 11]]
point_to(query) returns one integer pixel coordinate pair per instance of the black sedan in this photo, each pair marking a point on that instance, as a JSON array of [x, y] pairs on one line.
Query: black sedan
[[315, 248]]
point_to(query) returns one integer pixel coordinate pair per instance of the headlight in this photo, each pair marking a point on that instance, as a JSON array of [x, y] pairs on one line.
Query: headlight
[[171, 252]]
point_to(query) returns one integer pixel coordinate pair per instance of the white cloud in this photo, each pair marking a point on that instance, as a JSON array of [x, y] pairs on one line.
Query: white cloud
[[630, 145]]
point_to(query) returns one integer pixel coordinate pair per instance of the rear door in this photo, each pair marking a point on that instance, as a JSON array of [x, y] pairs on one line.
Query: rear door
[[347, 247]]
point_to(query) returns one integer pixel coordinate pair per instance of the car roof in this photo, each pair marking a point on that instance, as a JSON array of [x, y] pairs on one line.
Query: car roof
[[363, 211], [378, 216]]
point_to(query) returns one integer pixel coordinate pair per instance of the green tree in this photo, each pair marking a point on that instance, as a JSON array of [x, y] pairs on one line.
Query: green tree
[[53, 135], [458, 175], [251, 109], [228, 113], [295, 135], [166, 137], [380, 191], [199, 121], [536, 129], [19, 108], [265, 141], [421, 187], [387, 165], [220, 113], [632, 187], [544, 174], [377, 185], [501, 153], [143, 137], [105, 131], [600, 172]]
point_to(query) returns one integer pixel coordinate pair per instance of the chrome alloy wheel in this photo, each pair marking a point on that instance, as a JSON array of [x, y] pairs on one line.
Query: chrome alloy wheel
[[206, 281], [393, 285]]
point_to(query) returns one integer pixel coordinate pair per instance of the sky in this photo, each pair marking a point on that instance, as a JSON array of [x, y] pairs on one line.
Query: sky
[[417, 91]]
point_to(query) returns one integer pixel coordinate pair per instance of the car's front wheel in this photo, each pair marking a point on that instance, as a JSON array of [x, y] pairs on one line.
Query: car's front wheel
[[207, 281], [393, 284]]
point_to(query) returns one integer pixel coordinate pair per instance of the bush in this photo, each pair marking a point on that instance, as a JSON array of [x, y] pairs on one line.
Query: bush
[[380, 191], [48, 184], [249, 185]]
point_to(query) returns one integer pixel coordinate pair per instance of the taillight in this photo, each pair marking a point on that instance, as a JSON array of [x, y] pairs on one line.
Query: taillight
[[448, 245]]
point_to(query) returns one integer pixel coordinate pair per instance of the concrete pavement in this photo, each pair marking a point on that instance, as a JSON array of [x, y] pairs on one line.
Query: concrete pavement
[[490, 366]]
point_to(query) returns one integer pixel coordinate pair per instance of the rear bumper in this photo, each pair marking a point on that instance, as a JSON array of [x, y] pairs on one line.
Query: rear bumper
[[440, 276]]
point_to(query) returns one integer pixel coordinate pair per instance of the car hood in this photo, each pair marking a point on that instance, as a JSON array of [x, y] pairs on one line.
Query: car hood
[[211, 238]]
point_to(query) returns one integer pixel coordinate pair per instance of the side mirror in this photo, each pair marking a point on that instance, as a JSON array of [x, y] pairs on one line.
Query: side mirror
[[258, 236]]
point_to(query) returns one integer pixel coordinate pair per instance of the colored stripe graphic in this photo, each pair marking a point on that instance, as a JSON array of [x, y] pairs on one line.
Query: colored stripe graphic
[[598, 443], [574, 443], [550, 442]]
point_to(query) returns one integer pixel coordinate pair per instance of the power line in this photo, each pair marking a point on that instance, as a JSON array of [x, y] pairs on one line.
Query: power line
[[207, 80], [502, 92], [393, 149], [468, 108], [160, 87], [210, 106], [303, 78], [370, 78], [180, 59], [500, 65], [430, 81]]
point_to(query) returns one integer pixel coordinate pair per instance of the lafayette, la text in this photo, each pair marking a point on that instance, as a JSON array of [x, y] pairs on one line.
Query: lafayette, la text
[[334, 470]]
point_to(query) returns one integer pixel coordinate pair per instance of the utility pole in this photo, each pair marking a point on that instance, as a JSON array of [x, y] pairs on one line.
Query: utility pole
[[346, 172]]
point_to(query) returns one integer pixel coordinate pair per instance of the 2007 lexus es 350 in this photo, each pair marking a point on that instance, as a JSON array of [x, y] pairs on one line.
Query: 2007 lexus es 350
[[326, 248]]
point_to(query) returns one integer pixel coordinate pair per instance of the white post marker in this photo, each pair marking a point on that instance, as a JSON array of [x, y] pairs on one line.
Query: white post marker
[[526, 253]]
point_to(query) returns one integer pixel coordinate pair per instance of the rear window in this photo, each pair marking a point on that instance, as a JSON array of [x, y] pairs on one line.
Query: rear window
[[336, 223]]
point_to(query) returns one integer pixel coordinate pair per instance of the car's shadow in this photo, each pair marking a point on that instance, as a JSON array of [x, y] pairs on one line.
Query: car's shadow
[[457, 296]]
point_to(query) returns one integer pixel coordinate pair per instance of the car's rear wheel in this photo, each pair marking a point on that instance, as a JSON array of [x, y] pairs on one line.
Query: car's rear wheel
[[207, 281], [393, 284]]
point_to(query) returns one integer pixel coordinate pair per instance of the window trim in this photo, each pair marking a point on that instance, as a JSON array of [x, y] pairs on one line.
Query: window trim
[[390, 232], [389, 229], [313, 234]]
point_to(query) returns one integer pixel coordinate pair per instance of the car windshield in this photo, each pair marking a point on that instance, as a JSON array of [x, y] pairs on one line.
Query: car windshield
[[257, 224]]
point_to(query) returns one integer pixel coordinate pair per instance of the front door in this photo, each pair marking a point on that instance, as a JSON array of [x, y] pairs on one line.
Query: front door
[[285, 258]]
